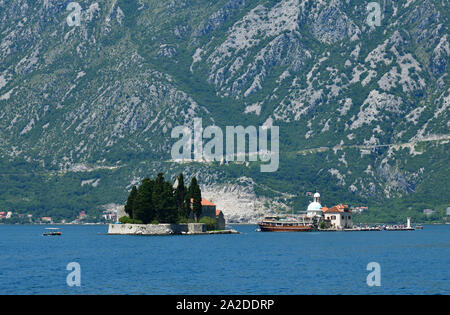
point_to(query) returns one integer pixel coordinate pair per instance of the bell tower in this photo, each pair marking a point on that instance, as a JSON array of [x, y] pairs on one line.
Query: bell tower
[[316, 197]]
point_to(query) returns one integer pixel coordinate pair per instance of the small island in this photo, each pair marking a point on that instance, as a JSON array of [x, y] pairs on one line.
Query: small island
[[158, 207]]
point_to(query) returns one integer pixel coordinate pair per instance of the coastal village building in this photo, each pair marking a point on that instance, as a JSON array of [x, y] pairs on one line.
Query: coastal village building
[[46, 219], [82, 215], [111, 215], [5, 215]]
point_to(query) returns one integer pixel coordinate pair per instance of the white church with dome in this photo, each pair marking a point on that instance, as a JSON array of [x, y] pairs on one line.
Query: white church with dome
[[315, 208], [338, 217]]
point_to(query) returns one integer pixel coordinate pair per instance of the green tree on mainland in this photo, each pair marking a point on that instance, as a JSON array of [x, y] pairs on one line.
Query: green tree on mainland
[[130, 202]]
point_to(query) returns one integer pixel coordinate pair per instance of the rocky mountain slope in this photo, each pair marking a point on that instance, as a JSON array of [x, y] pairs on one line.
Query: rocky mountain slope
[[88, 109]]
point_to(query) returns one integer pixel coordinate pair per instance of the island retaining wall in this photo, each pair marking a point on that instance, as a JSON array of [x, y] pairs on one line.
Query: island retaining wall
[[156, 229]]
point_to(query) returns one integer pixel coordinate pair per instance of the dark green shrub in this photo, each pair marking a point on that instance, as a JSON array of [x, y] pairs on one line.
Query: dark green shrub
[[209, 222], [127, 220]]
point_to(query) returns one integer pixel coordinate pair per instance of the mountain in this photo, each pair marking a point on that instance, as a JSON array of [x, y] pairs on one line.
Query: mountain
[[87, 108]]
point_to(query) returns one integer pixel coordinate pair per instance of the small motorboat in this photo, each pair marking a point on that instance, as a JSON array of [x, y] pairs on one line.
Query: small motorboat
[[52, 232]]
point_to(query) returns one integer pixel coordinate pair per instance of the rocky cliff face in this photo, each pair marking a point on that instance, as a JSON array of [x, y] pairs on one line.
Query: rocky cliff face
[[363, 110]]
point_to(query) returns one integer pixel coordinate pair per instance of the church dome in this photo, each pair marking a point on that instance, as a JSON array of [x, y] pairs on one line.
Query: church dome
[[314, 206], [316, 195]]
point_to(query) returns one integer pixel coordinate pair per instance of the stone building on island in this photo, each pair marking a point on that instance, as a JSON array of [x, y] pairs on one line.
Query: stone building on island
[[210, 210], [220, 220], [338, 217]]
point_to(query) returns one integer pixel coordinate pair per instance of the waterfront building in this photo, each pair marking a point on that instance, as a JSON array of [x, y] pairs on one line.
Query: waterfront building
[[46, 219], [110, 215], [82, 215], [339, 217]]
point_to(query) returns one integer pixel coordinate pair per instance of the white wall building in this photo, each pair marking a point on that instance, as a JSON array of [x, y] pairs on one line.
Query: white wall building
[[339, 216]]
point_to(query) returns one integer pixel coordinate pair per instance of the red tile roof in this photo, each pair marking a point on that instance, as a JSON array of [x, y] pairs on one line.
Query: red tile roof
[[218, 212], [205, 202], [336, 209]]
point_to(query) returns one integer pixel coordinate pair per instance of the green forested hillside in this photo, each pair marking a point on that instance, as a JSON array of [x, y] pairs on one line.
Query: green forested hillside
[[87, 111]]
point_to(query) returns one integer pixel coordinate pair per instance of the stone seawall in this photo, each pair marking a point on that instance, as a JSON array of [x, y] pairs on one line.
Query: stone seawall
[[156, 229]]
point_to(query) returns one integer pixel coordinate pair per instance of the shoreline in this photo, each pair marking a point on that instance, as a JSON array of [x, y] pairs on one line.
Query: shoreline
[[164, 229], [231, 224]]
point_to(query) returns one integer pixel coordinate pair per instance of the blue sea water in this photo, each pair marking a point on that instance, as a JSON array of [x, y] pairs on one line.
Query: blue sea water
[[414, 262]]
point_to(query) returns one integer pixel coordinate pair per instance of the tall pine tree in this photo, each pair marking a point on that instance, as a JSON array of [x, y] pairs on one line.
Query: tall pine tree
[[180, 195], [144, 209], [169, 211], [196, 196], [130, 202], [158, 200]]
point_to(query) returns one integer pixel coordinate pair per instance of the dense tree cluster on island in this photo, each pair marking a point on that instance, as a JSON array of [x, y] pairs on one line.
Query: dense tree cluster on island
[[158, 201]]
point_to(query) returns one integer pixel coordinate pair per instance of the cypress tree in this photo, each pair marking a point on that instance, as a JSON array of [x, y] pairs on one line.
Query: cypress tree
[[158, 200], [144, 209], [169, 213], [180, 195], [164, 201], [130, 202], [196, 195], [158, 197], [187, 205]]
